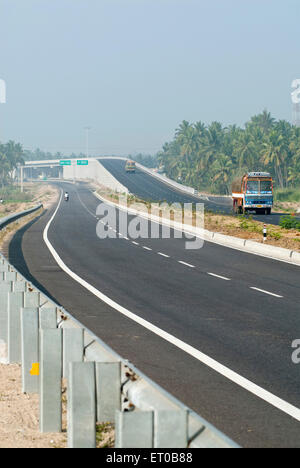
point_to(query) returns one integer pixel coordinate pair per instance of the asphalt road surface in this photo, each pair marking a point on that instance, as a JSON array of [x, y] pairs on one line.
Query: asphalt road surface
[[147, 187], [239, 309]]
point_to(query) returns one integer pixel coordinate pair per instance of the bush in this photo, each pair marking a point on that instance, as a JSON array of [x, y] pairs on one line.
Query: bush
[[289, 222]]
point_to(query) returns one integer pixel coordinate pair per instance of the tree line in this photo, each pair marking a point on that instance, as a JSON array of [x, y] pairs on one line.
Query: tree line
[[211, 157], [11, 154], [206, 157]]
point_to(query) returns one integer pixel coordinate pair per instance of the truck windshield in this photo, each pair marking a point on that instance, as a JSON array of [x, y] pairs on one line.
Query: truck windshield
[[252, 186], [265, 186]]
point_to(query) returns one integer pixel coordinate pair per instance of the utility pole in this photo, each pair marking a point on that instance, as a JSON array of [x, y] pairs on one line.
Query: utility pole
[[87, 129], [2, 92], [22, 184]]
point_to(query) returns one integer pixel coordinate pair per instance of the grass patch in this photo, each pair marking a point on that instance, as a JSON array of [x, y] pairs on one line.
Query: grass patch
[[287, 195], [105, 435], [14, 195]]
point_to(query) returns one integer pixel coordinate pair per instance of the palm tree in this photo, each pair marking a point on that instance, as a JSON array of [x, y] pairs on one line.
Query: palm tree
[[245, 149], [265, 121], [274, 154], [222, 172]]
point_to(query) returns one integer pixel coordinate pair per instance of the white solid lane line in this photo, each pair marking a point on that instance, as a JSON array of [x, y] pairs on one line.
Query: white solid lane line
[[251, 387], [267, 292], [220, 277], [186, 264]]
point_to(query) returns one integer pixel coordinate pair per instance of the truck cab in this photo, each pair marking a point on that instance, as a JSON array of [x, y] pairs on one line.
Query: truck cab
[[253, 192], [130, 166]]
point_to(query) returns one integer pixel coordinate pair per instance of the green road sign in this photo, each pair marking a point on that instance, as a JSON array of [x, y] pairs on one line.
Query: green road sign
[[65, 163], [82, 162]]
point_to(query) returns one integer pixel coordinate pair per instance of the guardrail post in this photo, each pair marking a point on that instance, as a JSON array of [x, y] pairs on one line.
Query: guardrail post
[[48, 317], [50, 380], [170, 429], [73, 346], [108, 390], [4, 268], [10, 276], [19, 286], [32, 299], [17, 300], [30, 349], [81, 405], [134, 429], [15, 303], [5, 288]]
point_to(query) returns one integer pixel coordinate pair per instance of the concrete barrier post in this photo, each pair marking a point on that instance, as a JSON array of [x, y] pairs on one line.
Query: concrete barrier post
[[4, 267], [17, 300], [108, 390], [134, 429], [15, 303], [73, 348], [30, 349], [5, 288], [19, 286], [10, 276], [48, 317], [81, 405], [170, 429], [50, 380], [32, 299]]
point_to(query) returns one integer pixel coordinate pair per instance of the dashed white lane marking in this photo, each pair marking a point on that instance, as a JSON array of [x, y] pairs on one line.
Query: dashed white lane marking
[[267, 292], [186, 264], [146, 248], [251, 387], [163, 255], [135, 243], [219, 276]]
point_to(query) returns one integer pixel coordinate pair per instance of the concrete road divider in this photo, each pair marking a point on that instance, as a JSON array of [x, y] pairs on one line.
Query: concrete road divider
[[269, 250]]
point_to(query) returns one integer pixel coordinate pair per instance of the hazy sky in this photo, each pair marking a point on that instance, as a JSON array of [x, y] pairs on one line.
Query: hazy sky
[[134, 69]]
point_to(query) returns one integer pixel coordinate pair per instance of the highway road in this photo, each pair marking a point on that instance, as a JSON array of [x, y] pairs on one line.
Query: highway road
[[238, 309], [147, 187]]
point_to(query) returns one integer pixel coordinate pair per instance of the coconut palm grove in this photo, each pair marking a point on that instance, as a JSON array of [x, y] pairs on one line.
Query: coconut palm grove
[[211, 157]]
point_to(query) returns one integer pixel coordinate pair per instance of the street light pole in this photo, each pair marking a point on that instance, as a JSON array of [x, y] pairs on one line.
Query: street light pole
[[87, 129], [2, 92]]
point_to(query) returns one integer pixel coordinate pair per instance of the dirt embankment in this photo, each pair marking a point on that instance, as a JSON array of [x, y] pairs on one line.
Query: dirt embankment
[[19, 415], [45, 194]]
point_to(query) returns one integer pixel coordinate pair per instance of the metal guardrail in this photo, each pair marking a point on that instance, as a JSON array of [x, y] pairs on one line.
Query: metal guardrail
[[14, 217], [39, 333]]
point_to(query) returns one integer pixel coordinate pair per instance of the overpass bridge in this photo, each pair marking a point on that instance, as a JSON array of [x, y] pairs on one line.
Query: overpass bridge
[[70, 169]]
